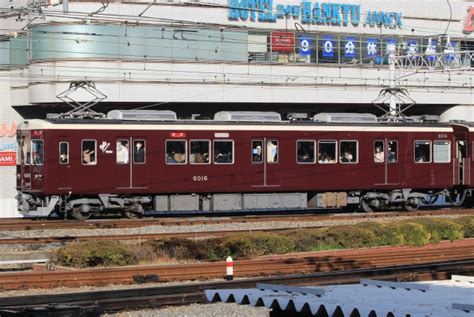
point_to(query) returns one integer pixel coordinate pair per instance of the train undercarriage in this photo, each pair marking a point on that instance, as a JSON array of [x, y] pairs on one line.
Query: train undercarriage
[[83, 207]]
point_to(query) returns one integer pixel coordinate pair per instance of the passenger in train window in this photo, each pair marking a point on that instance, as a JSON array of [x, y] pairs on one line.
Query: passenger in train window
[[347, 157], [257, 151], [272, 151], [88, 157], [379, 156], [139, 152], [122, 152]]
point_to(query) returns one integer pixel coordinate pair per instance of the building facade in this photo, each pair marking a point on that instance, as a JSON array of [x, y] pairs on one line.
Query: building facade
[[199, 57]]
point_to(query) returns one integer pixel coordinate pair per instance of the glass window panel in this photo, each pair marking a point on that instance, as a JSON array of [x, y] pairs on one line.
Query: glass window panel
[[176, 152], [122, 152], [63, 152], [328, 49], [348, 152], [223, 152], [139, 151], [379, 152], [257, 156], [199, 151], [422, 151], [327, 152], [272, 151], [306, 151], [89, 150], [442, 151], [37, 152], [392, 151]]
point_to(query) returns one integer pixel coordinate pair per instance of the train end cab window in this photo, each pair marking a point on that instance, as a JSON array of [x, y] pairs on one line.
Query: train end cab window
[[37, 152], [327, 152], [305, 151], [392, 151], [223, 152], [122, 152], [139, 151], [63, 153], [272, 151], [422, 152], [199, 153], [176, 152], [89, 150], [348, 152]]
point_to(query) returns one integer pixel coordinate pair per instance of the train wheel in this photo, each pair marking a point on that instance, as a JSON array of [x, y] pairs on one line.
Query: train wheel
[[412, 204], [81, 212], [365, 206]]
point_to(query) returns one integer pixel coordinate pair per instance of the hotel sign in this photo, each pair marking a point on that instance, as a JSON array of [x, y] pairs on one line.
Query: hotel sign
[[326, 13]]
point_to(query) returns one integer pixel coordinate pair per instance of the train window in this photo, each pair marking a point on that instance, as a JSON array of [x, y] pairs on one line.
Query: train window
[[379, 152], [257, 156], [37, 152], [422, 151], [176, 152], [139, 151], [223, 152], [272, 151], [348, 151], [305, 151], [442, 151], [89, 150], [26, 148], [122, 152], [327, 152], [63, 153], [392, 151], [199, 153]]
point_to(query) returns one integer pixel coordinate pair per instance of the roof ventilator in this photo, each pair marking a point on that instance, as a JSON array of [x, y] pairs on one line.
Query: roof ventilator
[[142, 115], [81, 109], [248, 116], [345, 117]]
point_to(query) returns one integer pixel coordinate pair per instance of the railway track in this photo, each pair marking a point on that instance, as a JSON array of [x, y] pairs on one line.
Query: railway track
[[10, 224], [98, 302], [268, 265]]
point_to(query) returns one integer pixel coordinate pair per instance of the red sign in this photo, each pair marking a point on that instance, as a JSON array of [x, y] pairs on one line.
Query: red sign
[[283, 41], [178, 134], [7, 158], [469, 26]]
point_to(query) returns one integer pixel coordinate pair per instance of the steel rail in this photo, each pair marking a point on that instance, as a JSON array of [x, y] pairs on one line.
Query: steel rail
[[267, 265], [9, 224], [155, 297]]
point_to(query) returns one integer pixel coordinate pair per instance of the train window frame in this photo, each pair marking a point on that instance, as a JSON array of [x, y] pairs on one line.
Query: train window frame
[[185, 154], [356, 161], [277, 154], [117, 151], [144, 145], [37, 152], [429, 152], [93, 152], [208, 154], [448, 155], [334, 161], [66, 154], [214, 151], [252, 157], [314, 152]]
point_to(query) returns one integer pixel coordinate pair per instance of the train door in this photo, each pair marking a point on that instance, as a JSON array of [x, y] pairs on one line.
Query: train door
[[386, 161], [63, 160], [131, 156], [461, 163], [25, 161], [265, 159]]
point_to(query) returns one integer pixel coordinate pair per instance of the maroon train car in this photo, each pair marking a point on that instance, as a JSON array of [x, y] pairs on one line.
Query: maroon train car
[[131, 162]]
